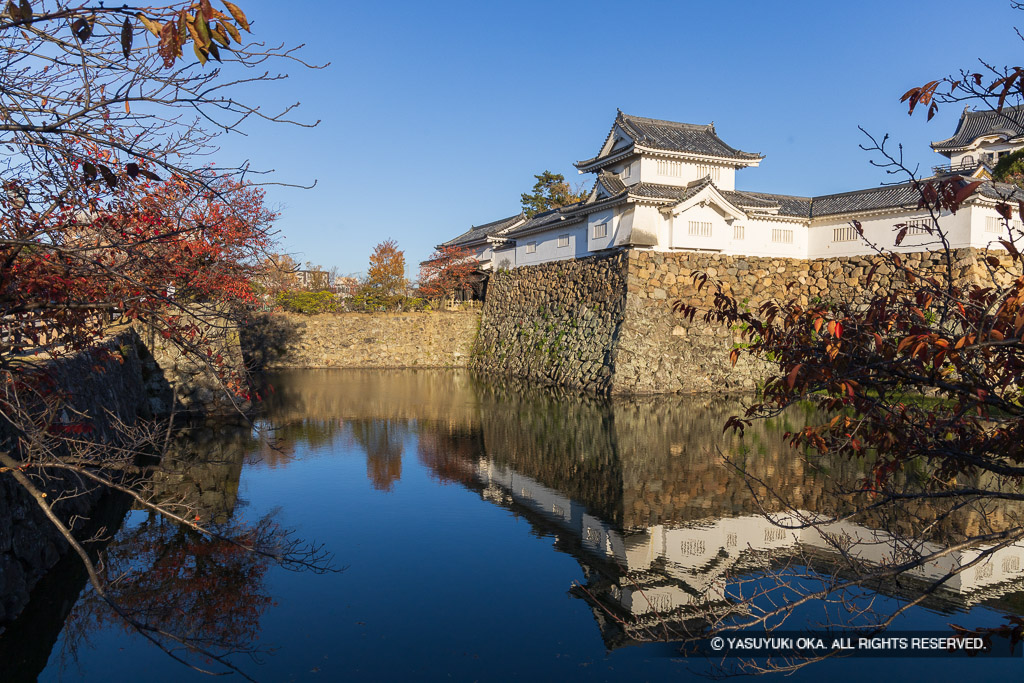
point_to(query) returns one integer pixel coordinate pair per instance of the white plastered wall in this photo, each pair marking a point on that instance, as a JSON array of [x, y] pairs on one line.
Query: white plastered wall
[[607, 218], [829, 237], [547, 248], [689, 171]]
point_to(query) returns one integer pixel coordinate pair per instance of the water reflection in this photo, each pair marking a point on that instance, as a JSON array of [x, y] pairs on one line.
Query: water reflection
[[188, 589], [666, 539], [635, 490], [381, 440]]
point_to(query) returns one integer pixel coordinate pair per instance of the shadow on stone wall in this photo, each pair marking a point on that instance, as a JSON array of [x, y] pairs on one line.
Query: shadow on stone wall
[[265, 337], [554, 323], [105, 392], [27, 640]]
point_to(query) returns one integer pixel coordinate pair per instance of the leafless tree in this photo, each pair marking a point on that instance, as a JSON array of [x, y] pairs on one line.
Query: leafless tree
[[114, 210]]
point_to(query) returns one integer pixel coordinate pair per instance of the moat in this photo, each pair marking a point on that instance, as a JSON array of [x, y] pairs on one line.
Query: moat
[[483, 532]]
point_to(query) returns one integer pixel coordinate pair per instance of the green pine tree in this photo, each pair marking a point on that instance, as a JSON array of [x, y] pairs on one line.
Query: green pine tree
[[550, 192]]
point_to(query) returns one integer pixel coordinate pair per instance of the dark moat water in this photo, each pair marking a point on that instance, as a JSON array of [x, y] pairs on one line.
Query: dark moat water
[[486, 533]]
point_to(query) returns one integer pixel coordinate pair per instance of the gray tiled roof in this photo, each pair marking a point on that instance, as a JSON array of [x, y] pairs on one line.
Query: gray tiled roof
[[974, 124], [674, 137], [888, 197], [904, 195], [785, 205], [745, 200], [1002, 191], [549, 219], [481, 232], [613, 185], [788, 205], [673, 192]]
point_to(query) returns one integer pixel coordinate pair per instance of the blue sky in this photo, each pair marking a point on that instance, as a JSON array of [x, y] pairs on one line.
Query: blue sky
[[436, 115]]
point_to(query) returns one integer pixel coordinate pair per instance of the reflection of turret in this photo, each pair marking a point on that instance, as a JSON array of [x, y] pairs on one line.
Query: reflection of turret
[[636, 491]]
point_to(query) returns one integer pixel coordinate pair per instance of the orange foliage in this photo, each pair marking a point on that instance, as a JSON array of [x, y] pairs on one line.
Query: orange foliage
[[447, 271]]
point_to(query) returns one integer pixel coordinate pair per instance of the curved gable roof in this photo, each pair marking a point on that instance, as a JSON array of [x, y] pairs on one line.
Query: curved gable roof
[[480, 233], [1008, 122], [668, 136]]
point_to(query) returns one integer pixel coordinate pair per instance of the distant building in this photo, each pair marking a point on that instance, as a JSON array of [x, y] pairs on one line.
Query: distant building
[[668, 186], [345, 285]]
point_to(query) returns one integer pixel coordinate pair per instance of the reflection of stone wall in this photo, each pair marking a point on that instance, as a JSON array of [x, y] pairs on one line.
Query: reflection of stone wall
[[201, 470], [643, 461], [362, 340], [566, 443], [313, 395]]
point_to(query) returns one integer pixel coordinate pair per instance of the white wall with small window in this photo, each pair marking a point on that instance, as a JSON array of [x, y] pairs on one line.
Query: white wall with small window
[[601, 230], [836, 236], [665, 170], [700, 227], [782, 236], [559, 243], [998, 227], [988, 227], [988, 151], [628, 170]]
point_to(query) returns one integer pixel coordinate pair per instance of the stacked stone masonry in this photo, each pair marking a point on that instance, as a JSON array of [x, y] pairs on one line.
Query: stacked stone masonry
[[105, 389], [555, 323], [607, 325], [362, 340], [132, 375]]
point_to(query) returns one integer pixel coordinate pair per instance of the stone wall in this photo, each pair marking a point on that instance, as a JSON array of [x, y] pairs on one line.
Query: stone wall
[[194, 382], [659, 351], [554, 323], [361, 340], [606, 325], [99, 388], [126, 378]]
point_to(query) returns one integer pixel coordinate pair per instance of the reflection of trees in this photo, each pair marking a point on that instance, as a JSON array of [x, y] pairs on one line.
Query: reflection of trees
[[200, 471], [448, 451], [382, 442], [189, 576], [209, 591], [278, 447]]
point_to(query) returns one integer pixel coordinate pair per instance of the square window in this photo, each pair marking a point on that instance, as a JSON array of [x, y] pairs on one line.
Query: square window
[[563, 240], [600, 230], [531, 247]]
